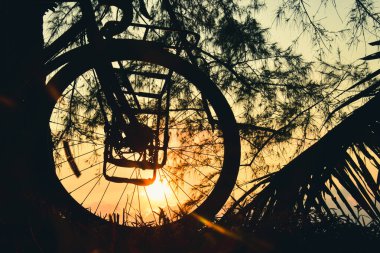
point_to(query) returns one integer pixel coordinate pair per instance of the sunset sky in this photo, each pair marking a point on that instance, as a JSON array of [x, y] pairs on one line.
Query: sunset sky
[[161, 194]]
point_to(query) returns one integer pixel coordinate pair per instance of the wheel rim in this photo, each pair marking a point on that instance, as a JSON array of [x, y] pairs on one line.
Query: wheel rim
[[194, 147]]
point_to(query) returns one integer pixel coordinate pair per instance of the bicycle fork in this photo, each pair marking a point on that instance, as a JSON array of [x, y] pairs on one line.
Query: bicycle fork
[[118, 130]]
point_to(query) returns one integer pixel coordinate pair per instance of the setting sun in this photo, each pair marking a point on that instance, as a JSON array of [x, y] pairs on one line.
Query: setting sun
[[159, 190]]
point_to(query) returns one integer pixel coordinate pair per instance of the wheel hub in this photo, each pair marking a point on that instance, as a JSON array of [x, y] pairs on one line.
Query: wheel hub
[[138, 137]]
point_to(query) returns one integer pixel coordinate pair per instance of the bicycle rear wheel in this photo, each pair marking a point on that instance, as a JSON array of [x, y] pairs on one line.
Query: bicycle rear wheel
[[203, 146]]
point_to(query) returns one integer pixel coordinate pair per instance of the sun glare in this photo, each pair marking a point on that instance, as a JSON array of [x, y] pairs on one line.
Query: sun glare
[[159, 190]]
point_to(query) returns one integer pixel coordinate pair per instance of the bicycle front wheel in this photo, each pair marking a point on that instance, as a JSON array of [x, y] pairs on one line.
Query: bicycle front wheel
[[195, 135]]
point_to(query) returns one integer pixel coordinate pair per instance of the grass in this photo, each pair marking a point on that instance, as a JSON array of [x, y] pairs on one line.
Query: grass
[[43, 229]]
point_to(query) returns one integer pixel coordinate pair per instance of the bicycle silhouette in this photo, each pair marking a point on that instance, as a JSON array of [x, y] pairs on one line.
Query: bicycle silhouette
[[141, 136]]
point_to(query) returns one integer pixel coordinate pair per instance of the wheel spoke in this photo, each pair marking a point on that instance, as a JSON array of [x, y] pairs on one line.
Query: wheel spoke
[[195, 148], [104, 193]]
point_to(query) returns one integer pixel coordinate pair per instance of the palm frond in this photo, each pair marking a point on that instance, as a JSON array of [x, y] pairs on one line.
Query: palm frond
[[337, 176]]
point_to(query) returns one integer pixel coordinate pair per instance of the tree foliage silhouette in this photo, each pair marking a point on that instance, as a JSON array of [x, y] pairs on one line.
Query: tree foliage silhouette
[[281, 100], [272, 90]]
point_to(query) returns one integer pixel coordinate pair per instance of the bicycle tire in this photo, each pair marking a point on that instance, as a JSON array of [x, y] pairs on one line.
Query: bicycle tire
[[152, 54]]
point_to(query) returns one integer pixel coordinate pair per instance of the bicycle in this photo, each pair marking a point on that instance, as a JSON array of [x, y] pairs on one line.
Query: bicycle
[[135, 120]]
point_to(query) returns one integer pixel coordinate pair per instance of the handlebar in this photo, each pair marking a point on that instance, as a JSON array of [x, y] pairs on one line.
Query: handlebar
[[112, 28]]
